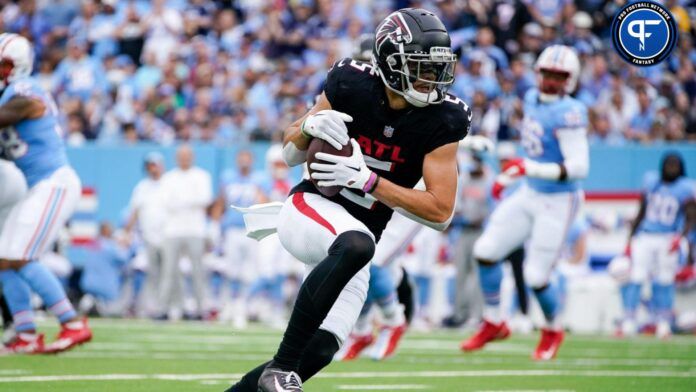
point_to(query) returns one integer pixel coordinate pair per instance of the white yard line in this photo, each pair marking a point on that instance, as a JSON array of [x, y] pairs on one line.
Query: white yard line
[[167, 356], [526, 390], [11, 372], [378, 387], [586, 362], [227, 355], [362, 375]]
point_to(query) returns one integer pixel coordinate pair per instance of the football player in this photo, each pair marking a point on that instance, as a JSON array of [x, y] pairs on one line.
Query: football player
[[31, 136], [382, 291], [667, 213], [13, 187], [273, 261], [241, 188], [402, 126], [554, 137]]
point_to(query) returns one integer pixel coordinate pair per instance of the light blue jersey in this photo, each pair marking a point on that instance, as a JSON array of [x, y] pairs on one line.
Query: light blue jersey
[[275, 190], [541, 121], [35, 145], [664, 212], [240, 191]]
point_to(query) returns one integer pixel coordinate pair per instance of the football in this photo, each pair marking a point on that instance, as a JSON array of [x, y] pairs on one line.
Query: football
[[319, 145]]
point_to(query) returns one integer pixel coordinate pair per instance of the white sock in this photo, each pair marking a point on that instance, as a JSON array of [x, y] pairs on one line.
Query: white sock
[[491, 313], [362, 325], [30, 337], [77, 324], [393, 313]]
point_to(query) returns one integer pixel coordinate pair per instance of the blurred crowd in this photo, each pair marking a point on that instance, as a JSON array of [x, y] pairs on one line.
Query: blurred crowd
[[227, 71]]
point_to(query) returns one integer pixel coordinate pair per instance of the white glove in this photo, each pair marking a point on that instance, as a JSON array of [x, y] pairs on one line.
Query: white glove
[[477, 143], [349, 171], [328, 125]]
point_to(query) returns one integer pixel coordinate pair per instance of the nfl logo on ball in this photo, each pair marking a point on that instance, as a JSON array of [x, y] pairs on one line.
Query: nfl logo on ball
[[388, 131]]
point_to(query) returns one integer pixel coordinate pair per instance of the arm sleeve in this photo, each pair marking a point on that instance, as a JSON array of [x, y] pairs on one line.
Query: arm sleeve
[[576, 152], [205, 194], [136, 198]]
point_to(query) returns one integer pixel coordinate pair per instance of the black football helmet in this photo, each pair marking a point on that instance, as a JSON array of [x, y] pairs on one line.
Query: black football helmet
[[413, 55]]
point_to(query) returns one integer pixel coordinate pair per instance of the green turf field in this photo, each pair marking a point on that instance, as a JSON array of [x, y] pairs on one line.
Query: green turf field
[[142, 356]]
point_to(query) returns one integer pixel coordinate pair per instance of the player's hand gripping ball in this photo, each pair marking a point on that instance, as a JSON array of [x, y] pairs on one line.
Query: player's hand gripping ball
[[319, 145], [349, 171], [328, 125]]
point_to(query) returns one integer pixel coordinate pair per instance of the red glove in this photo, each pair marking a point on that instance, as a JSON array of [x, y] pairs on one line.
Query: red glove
[[685, 274], [627, 250], [497, 190], [511, 170], [514, 167], [674, 244]]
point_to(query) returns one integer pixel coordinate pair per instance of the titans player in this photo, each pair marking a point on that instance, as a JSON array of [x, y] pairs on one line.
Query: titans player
[[30, 135], [554, 137], [667, 213]]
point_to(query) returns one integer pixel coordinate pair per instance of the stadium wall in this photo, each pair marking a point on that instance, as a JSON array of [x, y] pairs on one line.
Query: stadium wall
[[111, 172]]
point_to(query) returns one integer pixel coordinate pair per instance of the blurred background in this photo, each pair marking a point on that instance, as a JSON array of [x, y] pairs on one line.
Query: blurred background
[[135, 79]]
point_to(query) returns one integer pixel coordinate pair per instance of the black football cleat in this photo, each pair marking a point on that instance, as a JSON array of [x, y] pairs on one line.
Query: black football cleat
[[277, 380]]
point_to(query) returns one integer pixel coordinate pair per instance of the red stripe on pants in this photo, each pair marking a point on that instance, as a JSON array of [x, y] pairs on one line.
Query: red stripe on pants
[[302, 206]]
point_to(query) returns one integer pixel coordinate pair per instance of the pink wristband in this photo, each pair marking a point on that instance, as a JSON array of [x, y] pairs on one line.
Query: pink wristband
[[370, 184]]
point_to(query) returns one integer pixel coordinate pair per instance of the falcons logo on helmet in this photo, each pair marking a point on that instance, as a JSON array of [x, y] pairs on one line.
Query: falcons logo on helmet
[[395, 29]]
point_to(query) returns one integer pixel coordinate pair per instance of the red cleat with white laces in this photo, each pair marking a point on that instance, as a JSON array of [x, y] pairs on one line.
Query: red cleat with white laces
[[387, 342], [487, 333], [354, 346], [24, 343], [71, 334], [548, 345]]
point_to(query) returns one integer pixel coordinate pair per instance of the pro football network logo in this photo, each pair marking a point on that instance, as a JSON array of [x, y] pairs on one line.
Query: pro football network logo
[[644, 33]]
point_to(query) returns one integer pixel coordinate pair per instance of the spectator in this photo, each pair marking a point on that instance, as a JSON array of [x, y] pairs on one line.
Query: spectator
[[485, 42], [101, 276], [187, 193], [130, 34], [147, 213], [79, 75], [478, 78], [580, 36], [642, 122], [164, 26]]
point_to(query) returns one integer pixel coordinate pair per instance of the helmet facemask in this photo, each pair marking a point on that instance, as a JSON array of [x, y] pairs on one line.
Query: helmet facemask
[[553, 82], [6, 68], [424, 78]]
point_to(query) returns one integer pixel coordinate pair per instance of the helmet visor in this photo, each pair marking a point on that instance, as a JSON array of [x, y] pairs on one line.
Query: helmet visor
[[428, 72]]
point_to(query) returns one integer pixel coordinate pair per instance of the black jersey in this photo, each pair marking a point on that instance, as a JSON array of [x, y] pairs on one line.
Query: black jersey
[[394, 142]]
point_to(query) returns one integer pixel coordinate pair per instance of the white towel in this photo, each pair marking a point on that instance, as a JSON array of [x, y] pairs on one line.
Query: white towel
[[260, 220]]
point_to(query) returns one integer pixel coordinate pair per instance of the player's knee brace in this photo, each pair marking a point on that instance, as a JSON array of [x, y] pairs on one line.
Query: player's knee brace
[[318, 355]]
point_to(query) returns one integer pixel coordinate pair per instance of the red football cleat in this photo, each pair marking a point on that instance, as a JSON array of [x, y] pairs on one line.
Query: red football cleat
[[354, 346], [488, 332], [387, 342], [24, 343], [548, 345], [71, 334]]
